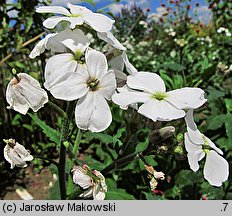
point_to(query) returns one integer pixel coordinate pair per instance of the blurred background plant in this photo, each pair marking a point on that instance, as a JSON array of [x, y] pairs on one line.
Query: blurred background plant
[[183, 48]]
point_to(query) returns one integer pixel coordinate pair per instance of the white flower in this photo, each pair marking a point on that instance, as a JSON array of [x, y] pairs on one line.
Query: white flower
[[16, 154], [92, 87], [77, 16], [94, 181], [25, 93], [157, 103], [50, 42], [216, 169], [59, 66]]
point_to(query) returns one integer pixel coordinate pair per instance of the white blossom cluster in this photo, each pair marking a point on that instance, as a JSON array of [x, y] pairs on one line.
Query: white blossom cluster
[[75, 71]]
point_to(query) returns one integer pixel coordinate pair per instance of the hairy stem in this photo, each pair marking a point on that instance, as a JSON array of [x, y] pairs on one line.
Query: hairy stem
[[57, 108]]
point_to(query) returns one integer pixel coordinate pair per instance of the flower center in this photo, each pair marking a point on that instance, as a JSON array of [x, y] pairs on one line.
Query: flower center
[[79, 57], [75, 15], [205, 146], [93, 84], [159, 96]]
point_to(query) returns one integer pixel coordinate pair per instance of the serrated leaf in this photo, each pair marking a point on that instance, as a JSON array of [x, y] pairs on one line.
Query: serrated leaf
[[51, 133]]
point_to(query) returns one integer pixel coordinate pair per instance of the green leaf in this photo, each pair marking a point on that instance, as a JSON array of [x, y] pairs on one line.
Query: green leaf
[[187, 177], [214, 94], [152, 196], [90, 2], [51, 133], [173, 67], [119, 194], [208, 72], [215, 122], [228, 103], [104, 138], [116, 137]]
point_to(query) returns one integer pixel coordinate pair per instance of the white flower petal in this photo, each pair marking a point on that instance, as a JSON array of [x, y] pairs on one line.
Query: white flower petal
[[186, 98], [194, 158], [38, 49], [78, 10], [25, 94], [51, 22], [98, 22], [93, 113], [190, 146], [88, 193], [213, 146], [82, 179], [96, 63], [71, 87], [56, 68], [149, 82], [75, 40], [193, 133], [100, 196], [16, 101], [22, 152], [107, 85], [129, 67], [117, 63], [216, 169], [109, 38], [160, 111], [53, 9], [127, 97]]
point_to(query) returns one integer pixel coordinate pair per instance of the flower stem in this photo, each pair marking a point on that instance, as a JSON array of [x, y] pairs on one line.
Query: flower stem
[[63, 138], [77, 142], [57, 108]]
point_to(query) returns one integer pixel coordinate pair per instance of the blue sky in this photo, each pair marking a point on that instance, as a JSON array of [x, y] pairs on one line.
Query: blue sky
[[153, 5]]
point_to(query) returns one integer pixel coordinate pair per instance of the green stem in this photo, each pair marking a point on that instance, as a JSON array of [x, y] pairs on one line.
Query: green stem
[[63, 138], [57, 108], [77, 142]]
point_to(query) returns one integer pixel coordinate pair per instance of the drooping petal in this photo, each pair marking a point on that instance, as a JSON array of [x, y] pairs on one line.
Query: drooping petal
[[107, 85], [213, 146], [109, 38], [195, 153], [194, 158], [193, 133], [216, 169], [56, 68], [93, 113], [100, 195], [129, 67], [72, 87], [149, 82], [22, 152], [16, 101], [127, 97], [25, 94], [38, 49], [160, 111], [53, 9], [53, 21], [186, 98], [98, 22], [6, 152], [96, 63], [75, 40], [190, 146]]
